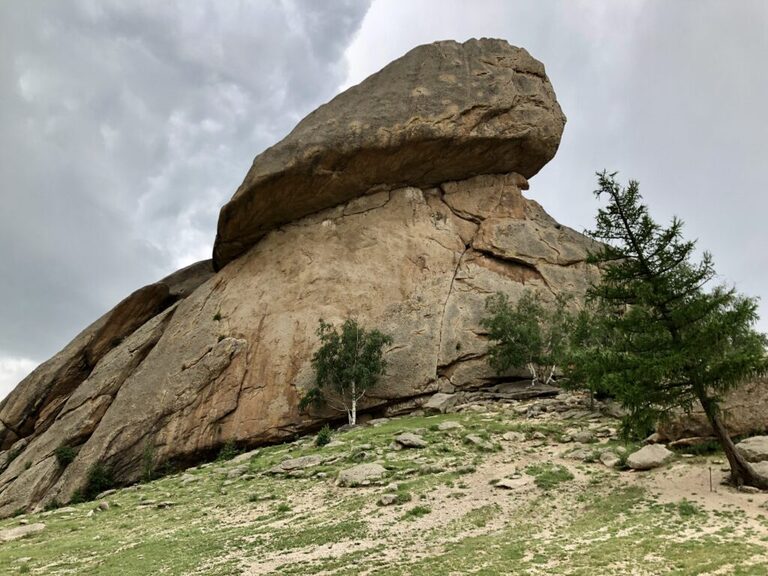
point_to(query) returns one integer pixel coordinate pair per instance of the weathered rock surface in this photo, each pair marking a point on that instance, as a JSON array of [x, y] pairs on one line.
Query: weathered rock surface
[[20, 531], [226, 357], [440, 403], [754, 449], [651, 456], [410, 440], [361, 475], [442, 112], [744, 412]]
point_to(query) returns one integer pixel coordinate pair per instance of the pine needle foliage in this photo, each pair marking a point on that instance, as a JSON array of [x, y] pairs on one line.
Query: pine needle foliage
[[668, 337]]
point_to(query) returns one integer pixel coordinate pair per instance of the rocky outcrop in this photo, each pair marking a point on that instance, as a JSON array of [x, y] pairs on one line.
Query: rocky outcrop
[[444, 111], [200, 359], [744, 412]]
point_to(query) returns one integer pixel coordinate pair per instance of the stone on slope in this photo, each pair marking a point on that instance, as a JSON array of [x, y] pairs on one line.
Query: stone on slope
[[609, 459], [8, 534], [754, 449], [440, 403], [410, 440], [651, 456], [361, 475], [449, 425], [300, 463], [443, 111]]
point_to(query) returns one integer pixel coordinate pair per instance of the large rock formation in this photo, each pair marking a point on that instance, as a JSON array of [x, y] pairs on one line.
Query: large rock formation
[[185, 365], [444, 111]]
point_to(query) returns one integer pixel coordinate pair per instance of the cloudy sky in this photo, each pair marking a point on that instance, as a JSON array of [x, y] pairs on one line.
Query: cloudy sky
[[126, 124]]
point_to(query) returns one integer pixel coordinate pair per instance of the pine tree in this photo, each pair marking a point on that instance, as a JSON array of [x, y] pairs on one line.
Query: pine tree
[[670, 338], [347, 365]]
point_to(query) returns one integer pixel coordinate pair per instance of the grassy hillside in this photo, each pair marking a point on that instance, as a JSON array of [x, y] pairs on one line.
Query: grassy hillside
[[510, 499]]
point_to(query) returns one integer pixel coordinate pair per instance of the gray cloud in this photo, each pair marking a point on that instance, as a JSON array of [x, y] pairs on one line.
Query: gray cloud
[[126, 125], [672, 94]]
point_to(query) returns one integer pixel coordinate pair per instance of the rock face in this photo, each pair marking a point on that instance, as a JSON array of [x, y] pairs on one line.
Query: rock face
[[182, 367], [442, 112], [744, 412]]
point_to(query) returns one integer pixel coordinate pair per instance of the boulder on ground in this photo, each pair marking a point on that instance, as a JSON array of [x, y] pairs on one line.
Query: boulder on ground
[[361, 475], [651, 456], [440, 403], [410, 440], [744, 412], [300, 463], [754, 449], [609, 459], [17, 532]]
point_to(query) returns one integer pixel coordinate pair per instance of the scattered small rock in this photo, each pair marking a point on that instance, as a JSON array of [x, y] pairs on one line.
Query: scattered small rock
[[106, 493], [513, 436], [513, 483], [237, 471], [749, 490], [539, 435], [299, 463], [609, 459], [244, 457], [584, 436], [164, 504], [479, 442], [387, 499], [378, 421]]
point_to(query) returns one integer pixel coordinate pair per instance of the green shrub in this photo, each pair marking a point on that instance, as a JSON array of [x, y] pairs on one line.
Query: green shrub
[[548, 476], [100, 478], [686, 508], [65, 455], [416, 512], [323, 436], [228, 451]]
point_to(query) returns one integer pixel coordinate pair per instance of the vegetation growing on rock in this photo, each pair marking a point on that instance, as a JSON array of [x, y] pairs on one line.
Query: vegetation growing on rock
[[348, 364]]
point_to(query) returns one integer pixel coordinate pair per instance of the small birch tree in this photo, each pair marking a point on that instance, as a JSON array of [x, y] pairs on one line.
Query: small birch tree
[[347, 364], [529, 335]]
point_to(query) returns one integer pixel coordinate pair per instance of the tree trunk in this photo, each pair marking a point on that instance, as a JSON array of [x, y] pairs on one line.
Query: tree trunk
[[353, 411], [741, 472]]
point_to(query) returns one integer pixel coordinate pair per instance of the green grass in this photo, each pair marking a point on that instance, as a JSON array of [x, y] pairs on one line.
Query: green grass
[[416, 512], [586, 526], [548, 476]]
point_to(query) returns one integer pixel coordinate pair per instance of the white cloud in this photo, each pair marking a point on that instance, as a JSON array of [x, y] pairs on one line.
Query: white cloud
[[13, 371]]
